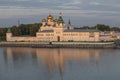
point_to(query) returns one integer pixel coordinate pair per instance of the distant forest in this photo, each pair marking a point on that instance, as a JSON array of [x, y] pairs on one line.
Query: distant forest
[[21, 30], [31, 29]]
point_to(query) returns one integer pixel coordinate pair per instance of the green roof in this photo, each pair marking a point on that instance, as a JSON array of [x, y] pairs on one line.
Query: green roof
[[60, 19], [9, 30], [97, 29]]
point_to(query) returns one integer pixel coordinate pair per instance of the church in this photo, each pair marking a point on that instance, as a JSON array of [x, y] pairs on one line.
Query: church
[[55, 29]]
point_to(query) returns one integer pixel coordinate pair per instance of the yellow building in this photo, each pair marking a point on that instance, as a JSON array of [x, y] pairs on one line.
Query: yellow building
[[56, 30]]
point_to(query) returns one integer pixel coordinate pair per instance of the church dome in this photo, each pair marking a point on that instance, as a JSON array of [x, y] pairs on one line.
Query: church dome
[[56, 20], [50, 17], [43, 20]]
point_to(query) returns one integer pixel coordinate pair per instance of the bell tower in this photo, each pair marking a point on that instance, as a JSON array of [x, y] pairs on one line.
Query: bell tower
[[60, 20]]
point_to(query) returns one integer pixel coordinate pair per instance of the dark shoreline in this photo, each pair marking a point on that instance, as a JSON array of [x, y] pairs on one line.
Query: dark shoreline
[[94, 45]]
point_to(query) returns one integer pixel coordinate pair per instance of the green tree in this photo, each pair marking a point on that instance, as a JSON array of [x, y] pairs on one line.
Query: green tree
[[33, 29], [3, 34], [102, 27], [15, 31], [115, 29], [29, 29]]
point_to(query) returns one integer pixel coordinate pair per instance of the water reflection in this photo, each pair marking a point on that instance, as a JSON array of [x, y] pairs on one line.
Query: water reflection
[[51, 64]]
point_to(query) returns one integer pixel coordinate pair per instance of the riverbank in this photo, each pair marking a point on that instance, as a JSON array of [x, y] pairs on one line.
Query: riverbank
[[60, 44]]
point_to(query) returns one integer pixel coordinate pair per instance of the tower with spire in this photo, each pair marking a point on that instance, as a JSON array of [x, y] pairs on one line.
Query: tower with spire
[[69, 26], [69, 22]]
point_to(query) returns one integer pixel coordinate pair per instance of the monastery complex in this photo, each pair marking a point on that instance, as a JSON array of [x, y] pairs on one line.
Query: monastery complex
[[56, 30]]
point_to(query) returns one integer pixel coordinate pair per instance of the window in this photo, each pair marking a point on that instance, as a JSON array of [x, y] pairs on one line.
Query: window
[[91, 34], [52, 34], [40, 35], [47, 34], [57, 32]]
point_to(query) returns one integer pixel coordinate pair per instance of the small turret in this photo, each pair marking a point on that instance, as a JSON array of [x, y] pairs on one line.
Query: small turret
[[9, 30], [96, 28], [9, 35]]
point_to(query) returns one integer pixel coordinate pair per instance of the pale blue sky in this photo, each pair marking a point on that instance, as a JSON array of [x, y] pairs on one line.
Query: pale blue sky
[[81, 12]]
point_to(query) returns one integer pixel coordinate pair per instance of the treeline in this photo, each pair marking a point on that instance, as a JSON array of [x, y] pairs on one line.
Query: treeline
[[26, 29], [22, 29], [3, 34], [101, 27]]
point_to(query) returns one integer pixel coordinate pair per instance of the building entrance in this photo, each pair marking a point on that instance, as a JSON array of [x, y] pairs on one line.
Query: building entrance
[[58, 38]]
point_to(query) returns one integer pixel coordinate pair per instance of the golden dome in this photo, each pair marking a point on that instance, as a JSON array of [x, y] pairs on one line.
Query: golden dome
[[56, 20], [43, 20], [53, 20], [50, 17]]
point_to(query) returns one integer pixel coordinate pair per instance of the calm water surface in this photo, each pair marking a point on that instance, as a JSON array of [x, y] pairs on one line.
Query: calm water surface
[[59, 64]]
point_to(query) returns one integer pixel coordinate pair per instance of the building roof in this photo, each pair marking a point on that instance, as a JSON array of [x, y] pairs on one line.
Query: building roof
[[75, 30], [81, 30], [9, 30]]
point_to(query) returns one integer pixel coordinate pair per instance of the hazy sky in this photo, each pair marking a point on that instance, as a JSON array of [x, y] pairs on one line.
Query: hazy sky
[[81, 12]]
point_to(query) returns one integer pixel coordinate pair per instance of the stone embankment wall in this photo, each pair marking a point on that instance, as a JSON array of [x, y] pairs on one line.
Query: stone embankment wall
[[60, 44]]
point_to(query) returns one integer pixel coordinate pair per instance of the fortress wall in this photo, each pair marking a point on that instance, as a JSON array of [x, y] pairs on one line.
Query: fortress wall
[[21, 39]]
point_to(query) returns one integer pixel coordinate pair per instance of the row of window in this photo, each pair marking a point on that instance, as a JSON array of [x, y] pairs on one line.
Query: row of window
[[49, 34], [46, 38], [70, 34], [40, 34], [76, 35], [45, 34], [91, 35]]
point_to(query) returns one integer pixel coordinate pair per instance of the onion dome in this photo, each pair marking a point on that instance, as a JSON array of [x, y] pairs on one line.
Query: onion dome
[[56, 20], [50, 17], [43, 20], [53, 20]]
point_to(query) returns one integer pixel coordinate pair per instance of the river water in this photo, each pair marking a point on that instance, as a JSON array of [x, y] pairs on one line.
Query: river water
[[59, 64]]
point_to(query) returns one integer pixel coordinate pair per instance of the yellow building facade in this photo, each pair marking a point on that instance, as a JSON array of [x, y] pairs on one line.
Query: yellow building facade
[[56, 30]]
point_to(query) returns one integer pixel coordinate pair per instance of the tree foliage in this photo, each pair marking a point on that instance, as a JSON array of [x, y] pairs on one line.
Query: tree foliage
[[29, 29], [3, 34], [22, 29], [101, 27], [15, 31]]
